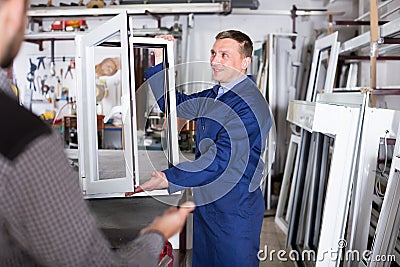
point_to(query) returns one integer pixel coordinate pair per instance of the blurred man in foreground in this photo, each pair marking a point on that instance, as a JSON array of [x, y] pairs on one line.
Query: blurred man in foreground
[[44, 220]]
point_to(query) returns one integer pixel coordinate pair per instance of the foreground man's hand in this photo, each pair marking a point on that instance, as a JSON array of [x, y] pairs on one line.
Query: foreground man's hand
[[172, 221], [158, 180]]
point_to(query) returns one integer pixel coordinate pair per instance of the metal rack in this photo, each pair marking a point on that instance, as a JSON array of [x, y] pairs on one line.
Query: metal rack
[[388, 30], [137, 9], [383, 41]]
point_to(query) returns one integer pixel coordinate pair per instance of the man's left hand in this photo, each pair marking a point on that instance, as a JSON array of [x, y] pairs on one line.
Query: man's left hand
[[158, 180]]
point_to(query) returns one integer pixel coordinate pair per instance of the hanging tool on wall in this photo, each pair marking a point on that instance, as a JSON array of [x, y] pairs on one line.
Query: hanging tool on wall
[[70, 67], [31, 75], [41, 82], [41, 62], [68, 71], [44, 89], [52, 63], [59, 85], [72, 63]]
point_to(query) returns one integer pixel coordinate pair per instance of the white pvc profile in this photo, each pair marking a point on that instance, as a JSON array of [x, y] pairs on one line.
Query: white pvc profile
[[352, 76], [351, 99], [268, 83], [378, 123], [344, 126], [272, 103], [289, 180], [327, 43], [356, 43], [301, 113], [387, 229]]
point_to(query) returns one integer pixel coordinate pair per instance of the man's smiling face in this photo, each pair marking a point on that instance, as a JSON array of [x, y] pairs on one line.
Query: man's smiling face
[[227, 61]]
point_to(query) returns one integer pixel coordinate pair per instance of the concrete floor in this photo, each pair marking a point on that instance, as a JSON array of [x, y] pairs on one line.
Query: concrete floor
[[272, 238], [122, 218]]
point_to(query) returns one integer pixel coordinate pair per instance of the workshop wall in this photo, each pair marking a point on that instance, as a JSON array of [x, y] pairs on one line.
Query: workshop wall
[[257, 26], [196, 40], [63, 81]]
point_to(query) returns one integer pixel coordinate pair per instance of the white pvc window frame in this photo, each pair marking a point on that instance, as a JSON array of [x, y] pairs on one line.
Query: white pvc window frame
[[376, 123], [116, 30], [289, 180], [344, 127], [171, 113], [330, 43], [387, 229], [268, 81]]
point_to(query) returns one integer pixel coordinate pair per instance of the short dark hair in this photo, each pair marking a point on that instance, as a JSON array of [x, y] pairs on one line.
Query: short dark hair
[[245, 42]]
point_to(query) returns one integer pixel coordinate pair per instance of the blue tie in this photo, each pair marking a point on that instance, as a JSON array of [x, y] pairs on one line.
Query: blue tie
[[221, 91]]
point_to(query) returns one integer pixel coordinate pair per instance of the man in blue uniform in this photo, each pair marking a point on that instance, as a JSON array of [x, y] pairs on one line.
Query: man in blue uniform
[[232, 124]]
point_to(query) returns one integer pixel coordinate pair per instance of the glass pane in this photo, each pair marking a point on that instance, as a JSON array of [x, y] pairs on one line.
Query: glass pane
[[112, 157], [191, 78], [291, 174], [152, 133], [310, 217], [322, 70], [150, 119]]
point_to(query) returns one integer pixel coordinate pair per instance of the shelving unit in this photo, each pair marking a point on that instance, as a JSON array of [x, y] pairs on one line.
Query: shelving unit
[[137, 9], [388, 30], [383, 43], [50, 35], [38, 14], [40, 37]]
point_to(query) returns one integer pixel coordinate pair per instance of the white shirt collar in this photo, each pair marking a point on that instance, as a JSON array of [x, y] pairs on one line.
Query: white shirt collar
[[231, 84]]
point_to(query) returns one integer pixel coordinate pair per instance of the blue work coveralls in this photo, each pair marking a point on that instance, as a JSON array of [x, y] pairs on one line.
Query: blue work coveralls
[[231, 133]]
